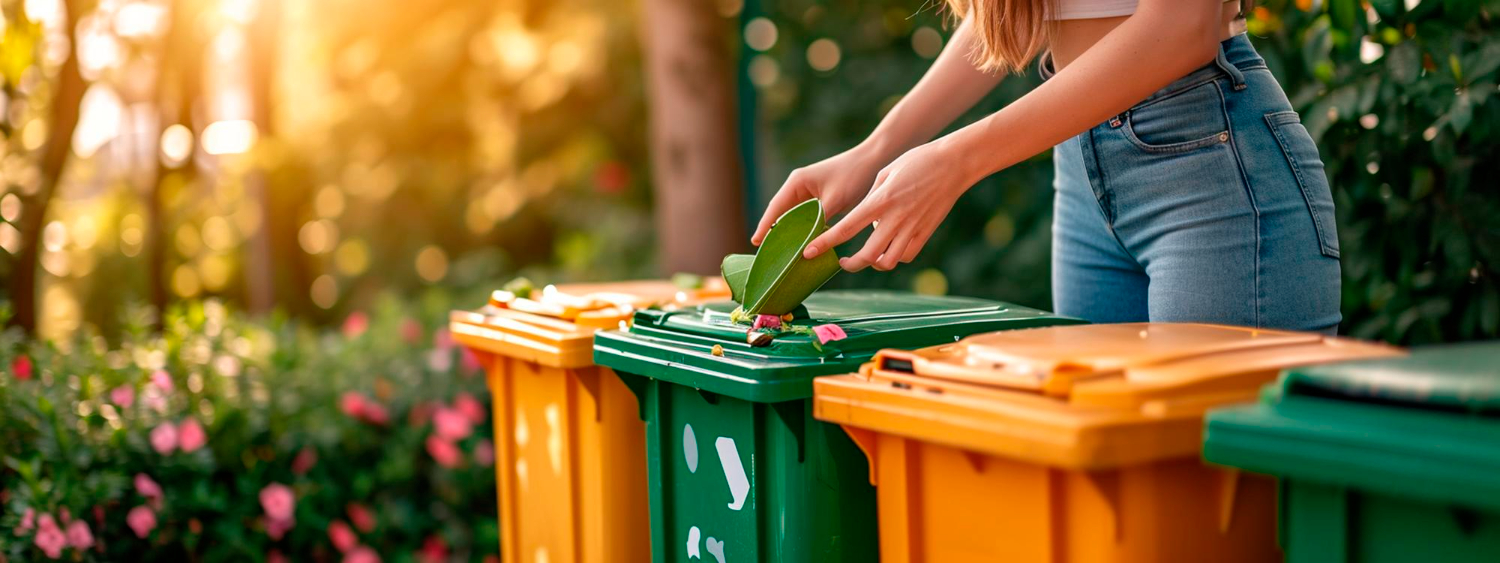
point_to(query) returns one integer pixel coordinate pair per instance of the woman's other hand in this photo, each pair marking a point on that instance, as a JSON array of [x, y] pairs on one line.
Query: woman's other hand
[[908, 201], [840, 181]]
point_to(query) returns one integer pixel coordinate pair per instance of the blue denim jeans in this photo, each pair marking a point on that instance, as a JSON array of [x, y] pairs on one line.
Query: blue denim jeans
[[1206, 202]]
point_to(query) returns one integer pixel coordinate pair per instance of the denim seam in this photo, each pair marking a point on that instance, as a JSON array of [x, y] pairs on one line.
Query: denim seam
[[1254, 207], [1275, 121], [1183, 146]]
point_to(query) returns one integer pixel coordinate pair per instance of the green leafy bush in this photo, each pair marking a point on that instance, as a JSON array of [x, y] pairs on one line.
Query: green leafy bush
[[224, 440], [1402, 102]]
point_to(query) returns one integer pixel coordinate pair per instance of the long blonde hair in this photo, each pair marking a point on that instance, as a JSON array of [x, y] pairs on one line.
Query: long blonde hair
[[1010, 32]]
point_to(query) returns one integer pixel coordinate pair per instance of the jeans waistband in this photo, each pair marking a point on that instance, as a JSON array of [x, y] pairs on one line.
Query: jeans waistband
[[1236, 55]]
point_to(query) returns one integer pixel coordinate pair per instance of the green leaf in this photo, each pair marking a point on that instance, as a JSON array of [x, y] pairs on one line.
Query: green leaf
[[780, 278], [736, 269]]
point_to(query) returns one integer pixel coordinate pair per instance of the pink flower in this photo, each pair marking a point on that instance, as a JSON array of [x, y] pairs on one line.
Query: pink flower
[[147, 487], [122, 396], [443, 451], [361, 554], [28, 521], [49, 538], [484, 453], [342, 537], [363, 519], [356, 324], [442, 339], [352, 403], [274, 556], [278, 501], [471, 407], [162, 380], [470, 361], [439, 360], [411, 330], [164, 438], [829, 333], [21, 368], [79, 535], [141, 521], [190, 435], [64, 515], [275, 529], [376, 414], [434, 550], [451, 424], [766, 321], [304, 461]]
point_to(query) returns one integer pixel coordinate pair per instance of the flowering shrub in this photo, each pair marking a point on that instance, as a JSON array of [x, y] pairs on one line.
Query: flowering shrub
[[224, 440]]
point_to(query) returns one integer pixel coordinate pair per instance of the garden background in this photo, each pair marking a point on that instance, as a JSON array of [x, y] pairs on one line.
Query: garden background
[[230, 230]]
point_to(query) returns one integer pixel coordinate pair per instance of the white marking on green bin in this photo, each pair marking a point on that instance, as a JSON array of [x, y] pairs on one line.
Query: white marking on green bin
[[692, 543], [734, 472], [690, 448]]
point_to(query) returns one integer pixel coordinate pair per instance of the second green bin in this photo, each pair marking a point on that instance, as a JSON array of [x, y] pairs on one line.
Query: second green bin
[[738, 469], [1381, 461]]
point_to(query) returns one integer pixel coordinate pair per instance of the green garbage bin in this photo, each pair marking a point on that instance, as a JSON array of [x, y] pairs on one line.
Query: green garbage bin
[[737, 468], [1380, 461]]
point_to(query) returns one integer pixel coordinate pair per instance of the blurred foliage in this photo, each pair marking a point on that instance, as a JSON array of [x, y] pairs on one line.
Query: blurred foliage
[[402, 145], [345, 418], [1400, 96]]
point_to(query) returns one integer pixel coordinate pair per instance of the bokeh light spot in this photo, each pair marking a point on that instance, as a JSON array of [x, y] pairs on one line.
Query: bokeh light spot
[[930, 282], [823, 54], [176, 145], [760, 34], [324, 291], [927, 42], [432, 263]]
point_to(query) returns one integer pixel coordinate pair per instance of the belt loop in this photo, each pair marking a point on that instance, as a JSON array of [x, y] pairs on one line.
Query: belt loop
[[1236, 78]]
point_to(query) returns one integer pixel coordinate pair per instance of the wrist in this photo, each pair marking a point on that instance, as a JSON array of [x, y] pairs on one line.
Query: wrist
[[969, 161], [882, 146]]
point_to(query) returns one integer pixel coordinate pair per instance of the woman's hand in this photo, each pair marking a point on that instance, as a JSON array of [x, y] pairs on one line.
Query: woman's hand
[[839, 181], [910, 198]]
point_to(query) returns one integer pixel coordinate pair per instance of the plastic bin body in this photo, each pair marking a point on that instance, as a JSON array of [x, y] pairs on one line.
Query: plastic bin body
[[738, 468], [1067, 444], [1379, 461], [569, 467]]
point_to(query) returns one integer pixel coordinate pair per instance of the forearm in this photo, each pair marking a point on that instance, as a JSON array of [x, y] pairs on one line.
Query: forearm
[[1152, 48], [950, 87]]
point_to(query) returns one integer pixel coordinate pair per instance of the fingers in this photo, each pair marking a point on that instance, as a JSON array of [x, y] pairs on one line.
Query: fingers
[[788, 196], [877, 244], [891, 256], [841, 232]]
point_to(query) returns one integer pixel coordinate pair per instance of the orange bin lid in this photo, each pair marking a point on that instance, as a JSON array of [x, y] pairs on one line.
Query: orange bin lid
[[555, 326], [1088, 396]]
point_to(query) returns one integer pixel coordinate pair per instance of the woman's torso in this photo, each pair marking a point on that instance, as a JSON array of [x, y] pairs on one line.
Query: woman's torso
[[1072, 37]]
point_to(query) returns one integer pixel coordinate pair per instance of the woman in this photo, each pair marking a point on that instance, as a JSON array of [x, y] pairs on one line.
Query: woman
[[1187, 188]]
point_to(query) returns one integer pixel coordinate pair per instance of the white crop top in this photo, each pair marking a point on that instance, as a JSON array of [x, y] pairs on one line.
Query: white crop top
[[1089, 9]]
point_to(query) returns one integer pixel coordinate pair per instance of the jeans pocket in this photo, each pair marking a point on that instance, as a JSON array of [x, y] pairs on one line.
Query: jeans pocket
[[1302, 156], [1183, 121]]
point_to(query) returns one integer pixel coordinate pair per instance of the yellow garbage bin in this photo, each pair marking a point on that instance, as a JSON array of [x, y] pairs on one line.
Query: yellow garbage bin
[[1074, 444], [570, 445]]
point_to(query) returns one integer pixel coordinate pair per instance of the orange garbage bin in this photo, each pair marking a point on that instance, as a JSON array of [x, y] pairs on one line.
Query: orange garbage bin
[[1068, 444], [570, 445]]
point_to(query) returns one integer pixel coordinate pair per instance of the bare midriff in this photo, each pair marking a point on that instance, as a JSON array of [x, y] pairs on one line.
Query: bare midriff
[[1070, 38]]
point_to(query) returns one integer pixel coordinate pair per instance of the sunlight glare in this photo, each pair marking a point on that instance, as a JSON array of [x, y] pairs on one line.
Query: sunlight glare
[[235, 136]]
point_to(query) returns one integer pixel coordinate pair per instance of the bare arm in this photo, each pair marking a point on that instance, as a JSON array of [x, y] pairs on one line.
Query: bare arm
[[1163, 41], [950, 87]]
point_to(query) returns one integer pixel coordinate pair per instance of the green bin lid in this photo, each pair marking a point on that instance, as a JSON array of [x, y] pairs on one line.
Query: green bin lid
[[1461, 377], [677, 346], [1424, 426]]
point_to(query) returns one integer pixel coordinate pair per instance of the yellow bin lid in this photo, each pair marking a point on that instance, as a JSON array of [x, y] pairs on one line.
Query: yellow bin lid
[[555, 326], [1081, 397]]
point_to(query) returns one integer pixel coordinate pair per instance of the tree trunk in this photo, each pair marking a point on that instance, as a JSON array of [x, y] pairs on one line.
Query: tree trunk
[[698, 177], [178, 85], [65, 109], [260, 283]]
